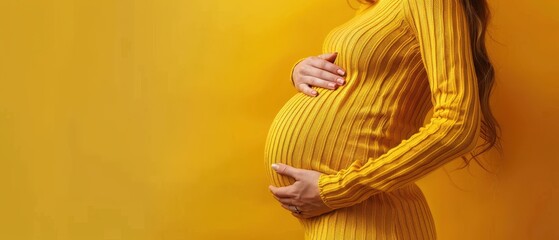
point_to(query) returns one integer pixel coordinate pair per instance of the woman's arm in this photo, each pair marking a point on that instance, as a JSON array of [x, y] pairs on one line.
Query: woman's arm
[[442, 33]]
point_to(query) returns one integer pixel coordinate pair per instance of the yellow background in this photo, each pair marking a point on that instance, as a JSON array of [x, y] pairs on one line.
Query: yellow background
[[147, 120]]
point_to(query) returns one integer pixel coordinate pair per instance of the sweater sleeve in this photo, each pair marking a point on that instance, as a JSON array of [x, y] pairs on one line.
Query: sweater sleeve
[[442, 34]]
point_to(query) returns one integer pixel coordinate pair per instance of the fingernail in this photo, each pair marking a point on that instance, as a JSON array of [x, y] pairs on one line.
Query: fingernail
[[331, 84], [314, 93], [341, 72], [275, 166], [340, 81]]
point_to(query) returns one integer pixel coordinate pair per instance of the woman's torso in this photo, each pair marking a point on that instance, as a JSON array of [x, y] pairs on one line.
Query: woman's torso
[[385, 99]]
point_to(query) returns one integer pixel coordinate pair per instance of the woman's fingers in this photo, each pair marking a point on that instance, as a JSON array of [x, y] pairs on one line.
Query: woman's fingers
[[303, 214], [335, 79], [330, 57], [325, 65], [306, 89], [318, 82], [286, 207], [286, 201]]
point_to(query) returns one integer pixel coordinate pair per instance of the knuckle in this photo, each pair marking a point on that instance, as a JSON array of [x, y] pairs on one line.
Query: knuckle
[[316, 71], [318, 82], [302, 80], [304, 69], [326, 65], [305, 79], [322, 74], [292, 193], [314, 81]]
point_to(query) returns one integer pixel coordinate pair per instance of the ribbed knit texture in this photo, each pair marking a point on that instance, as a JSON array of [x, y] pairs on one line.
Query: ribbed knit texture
[[402, 58]]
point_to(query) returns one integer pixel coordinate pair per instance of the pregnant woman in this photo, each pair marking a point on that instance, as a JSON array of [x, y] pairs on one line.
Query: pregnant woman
[[345, 152]]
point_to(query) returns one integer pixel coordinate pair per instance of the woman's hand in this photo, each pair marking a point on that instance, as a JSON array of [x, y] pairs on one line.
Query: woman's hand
[[318, 71], [302, 198]]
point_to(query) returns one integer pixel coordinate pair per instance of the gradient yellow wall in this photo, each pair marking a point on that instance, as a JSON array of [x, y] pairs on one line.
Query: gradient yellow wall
[[147, 119]]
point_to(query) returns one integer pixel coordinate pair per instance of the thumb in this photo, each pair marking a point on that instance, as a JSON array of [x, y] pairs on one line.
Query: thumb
[[285, 169], [330, 57]]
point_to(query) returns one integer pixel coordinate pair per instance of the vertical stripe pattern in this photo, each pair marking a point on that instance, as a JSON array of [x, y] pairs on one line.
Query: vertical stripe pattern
[[402, 58]]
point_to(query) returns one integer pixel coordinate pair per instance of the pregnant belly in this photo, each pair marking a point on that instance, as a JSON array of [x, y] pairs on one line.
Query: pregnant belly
[[315, 133]]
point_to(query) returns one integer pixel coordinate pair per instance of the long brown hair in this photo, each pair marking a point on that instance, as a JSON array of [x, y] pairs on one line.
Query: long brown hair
[[478, 14]]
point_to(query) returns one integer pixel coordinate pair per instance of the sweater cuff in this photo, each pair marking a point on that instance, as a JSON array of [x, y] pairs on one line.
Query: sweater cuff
[[327, 186]]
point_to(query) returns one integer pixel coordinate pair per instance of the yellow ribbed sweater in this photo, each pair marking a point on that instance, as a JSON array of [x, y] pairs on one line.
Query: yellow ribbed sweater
[[368, 138]]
